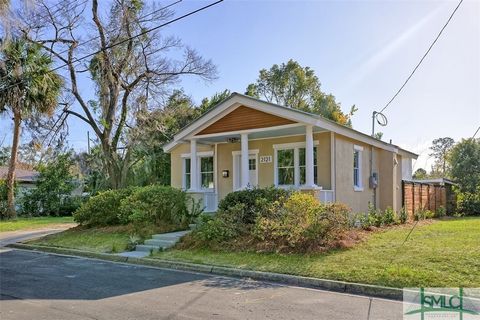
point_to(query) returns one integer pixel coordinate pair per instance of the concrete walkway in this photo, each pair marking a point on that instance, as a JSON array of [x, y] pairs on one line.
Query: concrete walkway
[[9, 237], [158, 242]]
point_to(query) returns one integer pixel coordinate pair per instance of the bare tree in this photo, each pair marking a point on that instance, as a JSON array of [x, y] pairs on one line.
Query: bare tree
[[130, 69]]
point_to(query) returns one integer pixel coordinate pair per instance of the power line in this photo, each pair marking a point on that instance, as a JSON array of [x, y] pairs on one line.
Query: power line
[[60, 8], [423, 58], [97, 37], [142, 17], [473, 137], [127, 39], [83, 43]]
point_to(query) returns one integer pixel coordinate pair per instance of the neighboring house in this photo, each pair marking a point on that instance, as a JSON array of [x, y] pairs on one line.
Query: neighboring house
[[25, 179], [245, 142]]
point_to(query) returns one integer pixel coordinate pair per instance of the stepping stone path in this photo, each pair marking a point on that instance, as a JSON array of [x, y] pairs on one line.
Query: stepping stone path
[[158, 242]]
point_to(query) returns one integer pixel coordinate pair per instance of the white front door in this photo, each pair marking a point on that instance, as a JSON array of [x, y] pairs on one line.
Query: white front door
[[252, 169]]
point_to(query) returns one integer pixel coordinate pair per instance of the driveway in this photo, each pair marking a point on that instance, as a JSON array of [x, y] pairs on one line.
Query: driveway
[[9, 237], [36, 285]]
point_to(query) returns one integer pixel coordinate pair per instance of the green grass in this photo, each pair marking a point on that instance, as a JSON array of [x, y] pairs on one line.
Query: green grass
[[445, 253], [33, 223], [109, 239]]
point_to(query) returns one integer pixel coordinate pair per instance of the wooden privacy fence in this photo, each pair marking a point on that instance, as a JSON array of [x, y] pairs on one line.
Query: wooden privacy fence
[[424, 196]]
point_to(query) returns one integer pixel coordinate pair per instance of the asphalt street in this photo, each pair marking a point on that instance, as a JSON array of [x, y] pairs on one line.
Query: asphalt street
[[37, 285]]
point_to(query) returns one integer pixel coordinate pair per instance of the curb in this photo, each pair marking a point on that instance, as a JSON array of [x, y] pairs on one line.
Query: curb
[[316, 283]]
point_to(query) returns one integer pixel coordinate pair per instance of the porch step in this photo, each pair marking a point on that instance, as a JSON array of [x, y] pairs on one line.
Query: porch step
[[146, 248], [161, 243], [171, 235]]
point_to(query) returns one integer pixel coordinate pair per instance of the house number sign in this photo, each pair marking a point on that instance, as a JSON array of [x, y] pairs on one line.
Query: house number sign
[[265, 159]]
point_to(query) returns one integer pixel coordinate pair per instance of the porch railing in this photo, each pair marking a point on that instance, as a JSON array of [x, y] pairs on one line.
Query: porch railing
[[326, 195], [210, 201]]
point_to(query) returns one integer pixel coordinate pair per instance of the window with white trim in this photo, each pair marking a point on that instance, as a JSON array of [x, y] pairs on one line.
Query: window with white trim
[[286, 166], [186, 173], [303, 160], [206, 172], [290, 164], [357, 168]]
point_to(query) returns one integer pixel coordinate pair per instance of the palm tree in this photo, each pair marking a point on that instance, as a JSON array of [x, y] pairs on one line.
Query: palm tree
[[27, 87]]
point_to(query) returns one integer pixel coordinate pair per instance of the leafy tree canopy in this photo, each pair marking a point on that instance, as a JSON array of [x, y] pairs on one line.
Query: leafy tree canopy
[[440, 149], [464, 160], [53, 188], [420, 173], [291, 85]]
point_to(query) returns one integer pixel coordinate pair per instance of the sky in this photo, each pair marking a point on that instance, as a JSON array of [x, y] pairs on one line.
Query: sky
[[362, 52]]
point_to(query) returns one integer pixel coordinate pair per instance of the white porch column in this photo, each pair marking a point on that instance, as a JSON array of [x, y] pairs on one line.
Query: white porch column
[[193, 165], [245, 176], [309, 172]]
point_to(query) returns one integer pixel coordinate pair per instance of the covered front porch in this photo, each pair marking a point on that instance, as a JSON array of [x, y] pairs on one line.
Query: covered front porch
[[292, 156]]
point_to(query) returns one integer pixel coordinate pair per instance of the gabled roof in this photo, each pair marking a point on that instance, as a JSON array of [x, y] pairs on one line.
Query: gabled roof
[[21, 175], [236, 99]]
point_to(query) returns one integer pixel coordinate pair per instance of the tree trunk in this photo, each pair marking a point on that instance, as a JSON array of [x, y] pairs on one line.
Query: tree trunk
[[11, 213], [112, 165]]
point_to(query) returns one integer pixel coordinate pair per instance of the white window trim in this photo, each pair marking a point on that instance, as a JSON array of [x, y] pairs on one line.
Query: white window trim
[[250, 152], [202, 154], [184, 173], [360, 171], [293, 145], [296, 162]]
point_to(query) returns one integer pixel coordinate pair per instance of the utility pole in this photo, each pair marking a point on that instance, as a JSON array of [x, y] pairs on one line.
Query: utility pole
[[88, 142], [373, 123], [373, 179]]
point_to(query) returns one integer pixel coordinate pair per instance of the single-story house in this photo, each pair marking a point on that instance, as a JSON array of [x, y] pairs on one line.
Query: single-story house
[[244, 142], [24, 178]]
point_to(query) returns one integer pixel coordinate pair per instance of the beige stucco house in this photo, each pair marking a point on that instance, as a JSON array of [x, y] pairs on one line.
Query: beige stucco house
[[244, 142]]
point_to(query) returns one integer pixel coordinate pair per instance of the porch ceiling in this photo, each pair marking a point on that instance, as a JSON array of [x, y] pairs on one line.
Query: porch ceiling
[[268, 133]]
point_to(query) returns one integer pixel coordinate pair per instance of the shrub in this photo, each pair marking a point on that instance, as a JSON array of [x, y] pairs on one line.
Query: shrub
[[302, 223], [52, 189], [157, 205], [3, 197], [219, 228], [367, 220], [254, 201], [422, 214], [469, 203], [403, 215], [440, 212], [377, 218], [389, 216], [103, 209]]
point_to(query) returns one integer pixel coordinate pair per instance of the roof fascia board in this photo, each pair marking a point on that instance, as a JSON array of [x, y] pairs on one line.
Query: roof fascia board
[[237, 100], [354, 135]]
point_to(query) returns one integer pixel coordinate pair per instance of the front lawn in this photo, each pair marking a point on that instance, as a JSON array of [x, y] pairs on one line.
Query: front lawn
[[444, 253], [33, 223], [108, 239], [101, 239]]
